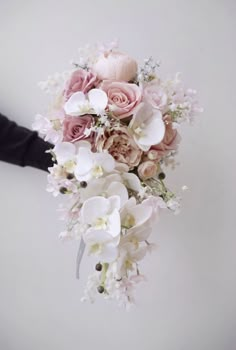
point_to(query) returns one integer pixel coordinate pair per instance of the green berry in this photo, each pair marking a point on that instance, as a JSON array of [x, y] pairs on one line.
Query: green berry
[[70, 176], [161, 176], [63, 190], [98, 267], [100, 289]]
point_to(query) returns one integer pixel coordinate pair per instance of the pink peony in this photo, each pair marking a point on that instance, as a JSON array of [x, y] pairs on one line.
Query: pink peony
[[169, 143], [147, 169], [115, 66], [81, 80], [154, 95], [118, 142], [123, 98], [74, 128]]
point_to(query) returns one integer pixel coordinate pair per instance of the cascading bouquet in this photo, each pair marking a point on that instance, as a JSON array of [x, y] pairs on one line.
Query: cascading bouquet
[[114, 126]]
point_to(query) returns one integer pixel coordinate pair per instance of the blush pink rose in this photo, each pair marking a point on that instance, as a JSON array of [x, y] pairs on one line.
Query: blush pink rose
[[123, 98], [74, 128], [115, 65], [147, 169], [169, 143], [81, 80], [118, 142]]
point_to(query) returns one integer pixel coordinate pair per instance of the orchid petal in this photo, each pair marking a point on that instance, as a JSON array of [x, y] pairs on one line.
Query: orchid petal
[[141, 214], [97, 236], [64, 152], [94, 208], [106, 161], [114, 223], [117, 188], [73, 105], [132, 181], [84, 164], [153, 133], [98, 100], [114, 202], [109, 253]]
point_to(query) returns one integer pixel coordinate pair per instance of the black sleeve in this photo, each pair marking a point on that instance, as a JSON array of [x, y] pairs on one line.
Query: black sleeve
[[21, 146]]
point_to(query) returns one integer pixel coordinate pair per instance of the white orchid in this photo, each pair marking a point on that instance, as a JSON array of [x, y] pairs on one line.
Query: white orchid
[[65, 153], [94, 102], [131, 181], [91, 165], [102, 244], [147, 126], [134, 215], [102, 214]]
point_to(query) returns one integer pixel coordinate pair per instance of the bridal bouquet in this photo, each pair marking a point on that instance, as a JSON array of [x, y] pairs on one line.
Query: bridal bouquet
[[114, 126]]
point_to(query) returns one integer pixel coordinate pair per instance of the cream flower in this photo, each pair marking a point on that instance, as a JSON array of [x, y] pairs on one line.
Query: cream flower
[[79, 104], [102, 214], [91, 165], [147, 126], [120, 144]]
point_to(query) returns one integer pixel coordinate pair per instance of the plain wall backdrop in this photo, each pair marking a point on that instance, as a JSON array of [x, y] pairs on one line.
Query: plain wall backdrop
[[189, 300]]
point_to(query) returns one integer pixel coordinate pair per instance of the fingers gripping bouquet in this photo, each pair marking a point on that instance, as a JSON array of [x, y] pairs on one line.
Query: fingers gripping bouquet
[[114, 126]]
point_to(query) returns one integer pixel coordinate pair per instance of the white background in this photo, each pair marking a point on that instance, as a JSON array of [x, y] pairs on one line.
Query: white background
[[189, 301]]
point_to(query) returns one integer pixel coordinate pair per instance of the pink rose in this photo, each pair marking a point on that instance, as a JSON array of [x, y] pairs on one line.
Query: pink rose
[[123, 98], [118, 142], [74, 128], [81, 80], [154, 95], [115, 66], [147, 169], [169, 143]]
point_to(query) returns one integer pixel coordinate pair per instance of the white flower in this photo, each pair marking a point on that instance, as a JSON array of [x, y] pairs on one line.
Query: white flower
[[131, 181], [65, 154], [182, 102], [174, 205], [135, 215], [55, 83], [106, 187], [147, 126], [102, 244], [50, 130], [92, 165], [102, 214], [90, 291], [157, 204], [117, 188], [94, 103], [41, 124], [102, 218]]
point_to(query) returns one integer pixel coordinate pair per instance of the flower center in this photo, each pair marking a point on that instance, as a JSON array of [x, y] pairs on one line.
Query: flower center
[[69, 166], [95, 248], [101, 223], [56, 124], [97, 171], [129, 221], [135, 242], [84, 108], [139, 130]]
